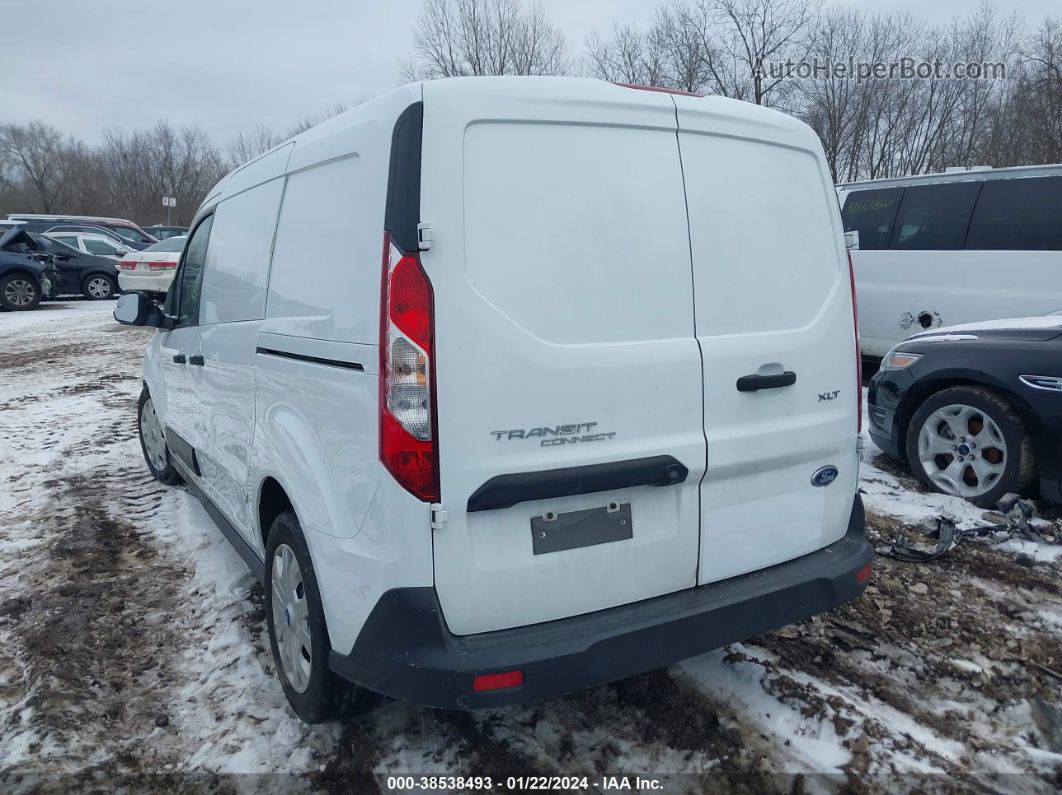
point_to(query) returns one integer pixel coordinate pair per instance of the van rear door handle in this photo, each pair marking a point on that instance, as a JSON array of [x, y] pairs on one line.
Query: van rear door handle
[[196, 360], [753, 383], [179, 358]]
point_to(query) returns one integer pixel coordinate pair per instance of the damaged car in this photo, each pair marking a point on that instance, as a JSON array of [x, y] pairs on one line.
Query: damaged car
[[975, 409], [26, 277], [76, 273]]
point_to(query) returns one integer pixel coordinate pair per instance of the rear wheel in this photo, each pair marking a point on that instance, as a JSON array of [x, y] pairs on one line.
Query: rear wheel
[[968, 441], [19, 291], [298, 635], [99, 286]]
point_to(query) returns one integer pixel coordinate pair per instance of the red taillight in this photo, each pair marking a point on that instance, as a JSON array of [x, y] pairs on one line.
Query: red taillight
[[407, 376], [127, 265], [660, 89], [498, 681], [863, 574], [858, 347], [162, 266]]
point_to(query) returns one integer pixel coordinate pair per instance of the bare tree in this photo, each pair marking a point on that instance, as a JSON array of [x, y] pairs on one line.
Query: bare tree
[[485, 37], [35, 164]]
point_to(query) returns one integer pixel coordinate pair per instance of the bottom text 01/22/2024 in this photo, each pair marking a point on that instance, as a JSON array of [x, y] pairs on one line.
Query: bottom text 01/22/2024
[[523, 783]]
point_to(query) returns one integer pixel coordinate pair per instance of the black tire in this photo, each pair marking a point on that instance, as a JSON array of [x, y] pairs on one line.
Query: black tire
[[167, 474], [1019, 474], [327, 696], [9, 284], [107, 283]]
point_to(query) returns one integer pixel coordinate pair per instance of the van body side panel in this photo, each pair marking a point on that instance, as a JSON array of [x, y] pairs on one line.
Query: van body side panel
[[772, 297], [316, 363], [231, 308], [564, 338], [906, 292]]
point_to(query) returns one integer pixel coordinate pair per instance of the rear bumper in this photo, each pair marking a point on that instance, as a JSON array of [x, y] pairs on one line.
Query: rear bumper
[[133, 281], [405, 650]]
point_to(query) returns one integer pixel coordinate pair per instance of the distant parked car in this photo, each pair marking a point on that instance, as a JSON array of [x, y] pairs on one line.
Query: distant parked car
[[78, 273], [25, 278], [959, 247], [163, 232], [151, 270], [92, 243], [131, 234], [975, 409]]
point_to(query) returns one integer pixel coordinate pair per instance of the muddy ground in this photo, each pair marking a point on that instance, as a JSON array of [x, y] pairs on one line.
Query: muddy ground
[[133, 645]]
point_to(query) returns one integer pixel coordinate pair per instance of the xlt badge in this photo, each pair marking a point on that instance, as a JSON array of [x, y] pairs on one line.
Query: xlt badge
[[551, 435]]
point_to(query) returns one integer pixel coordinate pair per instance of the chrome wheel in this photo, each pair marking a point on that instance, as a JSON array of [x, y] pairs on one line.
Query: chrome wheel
[[20, 292], [291, 618], [98, 287], [154, 438], [962, 450]]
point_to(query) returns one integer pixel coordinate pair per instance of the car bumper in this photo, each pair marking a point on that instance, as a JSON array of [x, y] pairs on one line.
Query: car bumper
[[405, 650], [133, 282]]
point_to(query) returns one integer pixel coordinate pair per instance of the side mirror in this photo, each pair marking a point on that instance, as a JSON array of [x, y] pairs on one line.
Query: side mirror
[[851, 240], [121, 251], [137, 309]]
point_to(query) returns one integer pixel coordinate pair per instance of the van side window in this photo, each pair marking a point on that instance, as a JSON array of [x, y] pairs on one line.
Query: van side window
[[934, 217], [241, 245], [871, 213], [1022, 214], [191, 276]]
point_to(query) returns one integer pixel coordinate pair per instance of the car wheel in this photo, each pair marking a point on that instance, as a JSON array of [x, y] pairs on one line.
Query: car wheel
[[153, 442], [298, 635], [99, 286], [968, 441], [19, 291]]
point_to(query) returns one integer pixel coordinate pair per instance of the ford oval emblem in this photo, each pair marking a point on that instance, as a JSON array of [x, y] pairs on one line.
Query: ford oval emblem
[[824, 476]]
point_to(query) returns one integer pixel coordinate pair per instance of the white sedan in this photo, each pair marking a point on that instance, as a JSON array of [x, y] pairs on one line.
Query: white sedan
[[92, 243], [151, 270]]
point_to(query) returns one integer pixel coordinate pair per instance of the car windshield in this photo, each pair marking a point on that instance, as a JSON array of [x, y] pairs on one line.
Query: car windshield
[[169, 244]]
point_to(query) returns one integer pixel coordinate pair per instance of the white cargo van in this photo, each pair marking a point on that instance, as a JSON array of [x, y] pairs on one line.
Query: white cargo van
[[507, 387], [958, 247]]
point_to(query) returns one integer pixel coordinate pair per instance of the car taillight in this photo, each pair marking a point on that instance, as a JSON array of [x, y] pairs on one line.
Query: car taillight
[[161, 266], [407, 380], [858, 347], [127, 265]]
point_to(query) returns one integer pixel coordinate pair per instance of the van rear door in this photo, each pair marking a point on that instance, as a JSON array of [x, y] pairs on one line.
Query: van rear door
[[568, 375], [775, 325]]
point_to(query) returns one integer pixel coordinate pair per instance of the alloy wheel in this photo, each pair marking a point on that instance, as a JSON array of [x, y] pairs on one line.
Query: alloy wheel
[[962, 450], [98, 287]]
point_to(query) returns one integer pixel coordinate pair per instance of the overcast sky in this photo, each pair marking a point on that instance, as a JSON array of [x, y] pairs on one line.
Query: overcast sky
[[85, 65]]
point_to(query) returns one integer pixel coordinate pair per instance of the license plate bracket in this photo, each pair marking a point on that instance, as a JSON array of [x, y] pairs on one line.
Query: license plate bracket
[[554, 532]]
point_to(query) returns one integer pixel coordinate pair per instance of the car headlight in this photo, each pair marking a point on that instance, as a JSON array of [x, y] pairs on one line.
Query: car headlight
[[899, 360]]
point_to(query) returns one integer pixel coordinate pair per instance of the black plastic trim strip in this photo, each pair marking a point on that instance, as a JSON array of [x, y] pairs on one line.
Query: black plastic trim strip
[[232, 535], [183, 450], [299, 357], [402, 211], [505, 491]]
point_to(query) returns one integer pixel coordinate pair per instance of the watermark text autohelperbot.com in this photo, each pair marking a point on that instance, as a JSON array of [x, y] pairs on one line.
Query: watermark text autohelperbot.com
[[900, 69]]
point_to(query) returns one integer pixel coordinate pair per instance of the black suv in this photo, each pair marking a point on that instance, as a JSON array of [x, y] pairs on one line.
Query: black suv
[[975, 410]]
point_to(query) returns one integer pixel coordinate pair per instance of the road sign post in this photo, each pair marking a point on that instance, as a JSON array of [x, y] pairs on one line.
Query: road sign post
[[169, 202]]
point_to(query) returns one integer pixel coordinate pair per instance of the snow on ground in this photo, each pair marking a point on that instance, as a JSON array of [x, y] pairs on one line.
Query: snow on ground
[[134, 641]]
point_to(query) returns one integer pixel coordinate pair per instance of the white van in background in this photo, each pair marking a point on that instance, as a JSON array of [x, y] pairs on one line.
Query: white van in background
[[959, 247], [594, 410]]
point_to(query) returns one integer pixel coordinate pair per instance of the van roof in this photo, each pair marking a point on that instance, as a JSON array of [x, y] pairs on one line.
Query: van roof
[[972, 175]]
